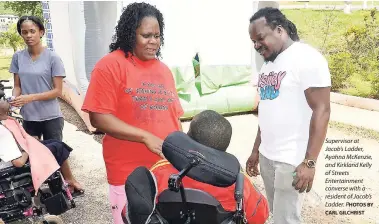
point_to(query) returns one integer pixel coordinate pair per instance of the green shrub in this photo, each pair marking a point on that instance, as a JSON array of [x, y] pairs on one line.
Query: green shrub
[[358, 56], [375, 86], [341, 68], [362, 43], [349, 41]]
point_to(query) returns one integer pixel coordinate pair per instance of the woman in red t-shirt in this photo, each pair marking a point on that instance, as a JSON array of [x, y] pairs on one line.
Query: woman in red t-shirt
[[132, 99]]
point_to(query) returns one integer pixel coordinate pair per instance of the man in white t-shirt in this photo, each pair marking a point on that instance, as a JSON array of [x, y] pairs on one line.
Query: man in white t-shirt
[[294, 86]]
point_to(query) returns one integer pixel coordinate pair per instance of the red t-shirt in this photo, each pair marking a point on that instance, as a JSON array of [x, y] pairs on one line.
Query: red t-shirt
[[255, 204], [140, 93]]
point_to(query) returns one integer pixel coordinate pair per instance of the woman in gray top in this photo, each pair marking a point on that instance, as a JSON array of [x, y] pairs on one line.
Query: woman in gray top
[[38, 77]]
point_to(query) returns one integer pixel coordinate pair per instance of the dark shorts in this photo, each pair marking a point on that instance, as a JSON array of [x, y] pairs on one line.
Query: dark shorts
[[60, 150], [50, 129]]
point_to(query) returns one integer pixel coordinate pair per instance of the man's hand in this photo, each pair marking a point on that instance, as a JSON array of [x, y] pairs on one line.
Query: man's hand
[[304, 178], [252, 163], [154, 144], [21, 100]]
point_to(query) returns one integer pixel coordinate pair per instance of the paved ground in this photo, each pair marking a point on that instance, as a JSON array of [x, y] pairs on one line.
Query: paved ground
[[355, 116], [88, 166]]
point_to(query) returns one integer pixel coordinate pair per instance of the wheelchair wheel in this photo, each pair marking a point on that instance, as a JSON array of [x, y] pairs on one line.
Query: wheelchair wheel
[[53, 219]]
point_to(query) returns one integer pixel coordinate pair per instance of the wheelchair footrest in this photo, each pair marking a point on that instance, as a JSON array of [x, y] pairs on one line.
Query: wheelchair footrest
[[57, 204]]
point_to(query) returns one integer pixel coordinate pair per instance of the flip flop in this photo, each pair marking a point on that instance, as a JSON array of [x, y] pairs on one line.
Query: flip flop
[[77, 193]]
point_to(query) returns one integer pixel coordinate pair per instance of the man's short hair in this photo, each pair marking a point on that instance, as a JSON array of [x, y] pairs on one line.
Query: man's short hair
[[211, 129]]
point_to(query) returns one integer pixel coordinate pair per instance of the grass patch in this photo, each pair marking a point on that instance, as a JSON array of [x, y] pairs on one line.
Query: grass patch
[[353, 130], [312, 25], [324, 29], [4, 67], [357, 87], [369, 3]]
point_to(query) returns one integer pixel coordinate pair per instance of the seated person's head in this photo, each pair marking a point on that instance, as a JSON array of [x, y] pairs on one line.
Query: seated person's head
[[4, 109], [211, 129]]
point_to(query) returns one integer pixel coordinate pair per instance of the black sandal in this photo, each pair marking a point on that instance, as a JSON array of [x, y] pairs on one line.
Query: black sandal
[[77, 193]]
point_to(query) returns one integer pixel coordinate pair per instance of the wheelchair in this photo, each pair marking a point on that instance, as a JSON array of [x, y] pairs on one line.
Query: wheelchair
[[181, 205], [2, 88], [3, 96], [19, 201]]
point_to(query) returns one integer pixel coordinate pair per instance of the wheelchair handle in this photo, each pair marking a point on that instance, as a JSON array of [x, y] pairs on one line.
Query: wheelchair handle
[[238, 191], [239, 215]]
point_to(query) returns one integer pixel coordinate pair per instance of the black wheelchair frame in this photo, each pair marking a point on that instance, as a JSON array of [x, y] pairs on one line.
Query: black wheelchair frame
[[2, 88], [178, 204], [175, 184], [19, 201], [4, 97]]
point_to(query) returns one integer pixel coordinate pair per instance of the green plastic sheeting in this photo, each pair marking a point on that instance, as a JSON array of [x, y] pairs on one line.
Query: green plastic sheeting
[[225, 89]]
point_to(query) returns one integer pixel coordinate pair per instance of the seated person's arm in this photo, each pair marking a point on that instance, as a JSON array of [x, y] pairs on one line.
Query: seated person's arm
[[20, 162]]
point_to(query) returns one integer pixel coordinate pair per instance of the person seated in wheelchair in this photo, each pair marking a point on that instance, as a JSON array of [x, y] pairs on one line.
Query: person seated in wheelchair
[[18, 157], [211, 129]]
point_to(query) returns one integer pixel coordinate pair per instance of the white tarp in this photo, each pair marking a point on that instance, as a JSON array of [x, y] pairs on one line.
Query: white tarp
[[218, 30], [80, 37]]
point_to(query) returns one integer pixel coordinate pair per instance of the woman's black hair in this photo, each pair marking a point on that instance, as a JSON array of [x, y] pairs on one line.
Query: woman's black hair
[[130, 20], [36, 20], [274, 17]]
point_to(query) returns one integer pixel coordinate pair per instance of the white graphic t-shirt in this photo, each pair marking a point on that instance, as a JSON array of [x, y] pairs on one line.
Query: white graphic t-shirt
[[9, 149], [284, 114]]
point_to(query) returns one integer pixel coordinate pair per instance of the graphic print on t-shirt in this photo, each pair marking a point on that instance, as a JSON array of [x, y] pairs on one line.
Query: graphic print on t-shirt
[[150, 98], [269, 85]]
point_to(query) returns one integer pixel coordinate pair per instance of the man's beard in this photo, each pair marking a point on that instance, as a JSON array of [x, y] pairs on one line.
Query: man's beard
[[272, 57]]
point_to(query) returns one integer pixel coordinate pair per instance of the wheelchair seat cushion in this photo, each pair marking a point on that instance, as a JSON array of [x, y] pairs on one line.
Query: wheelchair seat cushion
[[216, 167], [141, 193]]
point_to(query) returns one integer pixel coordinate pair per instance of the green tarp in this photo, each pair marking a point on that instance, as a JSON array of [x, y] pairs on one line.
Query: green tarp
[[225, 88]]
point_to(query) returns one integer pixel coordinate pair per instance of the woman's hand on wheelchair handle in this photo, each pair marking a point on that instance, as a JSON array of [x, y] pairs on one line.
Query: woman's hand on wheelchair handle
[[252, 163], [154, 144]]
